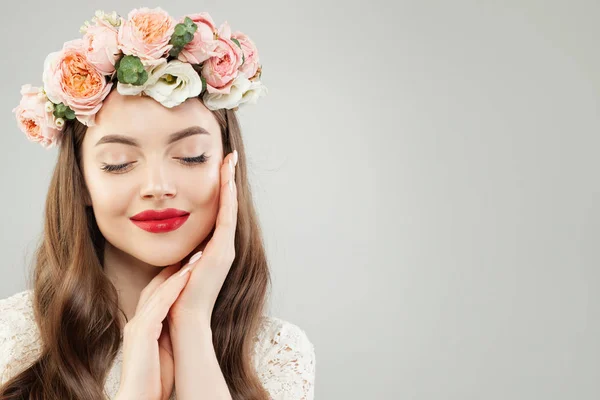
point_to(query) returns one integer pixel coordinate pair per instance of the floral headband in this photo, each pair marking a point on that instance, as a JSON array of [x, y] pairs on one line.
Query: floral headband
[[149, 53]]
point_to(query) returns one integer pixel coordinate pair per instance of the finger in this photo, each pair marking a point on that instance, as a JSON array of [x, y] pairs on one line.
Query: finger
[[222, 239], [165, 338], [162, 276], [234, 194], [155, 310], [227, 217]]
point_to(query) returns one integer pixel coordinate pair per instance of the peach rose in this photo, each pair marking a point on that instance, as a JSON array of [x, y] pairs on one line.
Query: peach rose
[[220, 71], [35, 119], [202, 46], [102, 47], [70, 78], [250, 65], [146, 33]]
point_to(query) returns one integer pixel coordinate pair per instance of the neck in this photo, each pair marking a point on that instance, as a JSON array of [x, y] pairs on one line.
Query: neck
[[129, 275]]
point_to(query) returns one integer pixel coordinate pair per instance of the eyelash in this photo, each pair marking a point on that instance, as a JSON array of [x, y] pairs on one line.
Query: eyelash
[[187, 161]]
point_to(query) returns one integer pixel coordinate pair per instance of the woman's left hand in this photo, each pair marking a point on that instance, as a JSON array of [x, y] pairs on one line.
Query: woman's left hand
[[197, 299]]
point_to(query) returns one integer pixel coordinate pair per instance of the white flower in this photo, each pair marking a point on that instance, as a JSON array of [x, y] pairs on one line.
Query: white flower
[[216, 101], [127, 89], [169, 83], [172, 83], [102, 18], [256, 90], [242, 91], [49, 106], [112, 18]]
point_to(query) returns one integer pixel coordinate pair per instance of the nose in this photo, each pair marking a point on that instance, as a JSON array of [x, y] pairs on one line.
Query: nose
[[158, 185]]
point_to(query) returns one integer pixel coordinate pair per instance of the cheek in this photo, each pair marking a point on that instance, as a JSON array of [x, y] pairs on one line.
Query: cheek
[[110, 197], [203, 193]]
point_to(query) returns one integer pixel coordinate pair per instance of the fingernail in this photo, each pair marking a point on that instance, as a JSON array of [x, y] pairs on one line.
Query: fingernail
[[235, 157], [185, 271], [231, 166], [231, 185], [195, 257]]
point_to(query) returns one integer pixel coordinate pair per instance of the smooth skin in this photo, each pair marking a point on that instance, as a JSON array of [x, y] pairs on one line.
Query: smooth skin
[[169, 336]]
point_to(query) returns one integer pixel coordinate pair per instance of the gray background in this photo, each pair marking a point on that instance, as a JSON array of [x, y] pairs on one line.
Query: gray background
[[427, 179]]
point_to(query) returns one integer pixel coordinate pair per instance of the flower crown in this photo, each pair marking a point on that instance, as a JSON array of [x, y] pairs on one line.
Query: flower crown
[[149, 53]]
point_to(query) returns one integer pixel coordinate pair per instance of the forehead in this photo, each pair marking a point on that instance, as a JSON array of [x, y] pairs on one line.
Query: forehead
[[145, 119]]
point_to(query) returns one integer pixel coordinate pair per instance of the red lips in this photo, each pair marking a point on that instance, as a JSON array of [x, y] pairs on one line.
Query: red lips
[[154, 215], [160, 221]]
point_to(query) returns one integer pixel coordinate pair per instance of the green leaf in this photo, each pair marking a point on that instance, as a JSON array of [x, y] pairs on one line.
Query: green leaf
[[190, 24], [126, 61], [203, 84], [133, 63], [236, 42], [130, 77], [131, 70], [178, 41], [240, 46], [63, 111], [143, 77], [70, 114], [180, 29]]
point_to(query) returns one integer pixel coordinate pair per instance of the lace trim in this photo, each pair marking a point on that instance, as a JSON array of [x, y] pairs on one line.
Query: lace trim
[[284, 357]]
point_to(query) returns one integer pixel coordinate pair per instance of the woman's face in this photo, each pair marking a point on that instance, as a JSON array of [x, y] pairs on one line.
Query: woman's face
[[153, 174]]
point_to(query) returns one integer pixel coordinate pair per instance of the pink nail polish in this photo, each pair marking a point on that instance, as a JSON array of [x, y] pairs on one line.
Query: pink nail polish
[[195, 257]]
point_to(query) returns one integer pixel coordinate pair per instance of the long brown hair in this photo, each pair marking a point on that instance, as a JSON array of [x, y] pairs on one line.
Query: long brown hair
[[76, 306]]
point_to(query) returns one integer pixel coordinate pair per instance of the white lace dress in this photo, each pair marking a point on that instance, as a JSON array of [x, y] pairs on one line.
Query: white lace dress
[[284, 357]]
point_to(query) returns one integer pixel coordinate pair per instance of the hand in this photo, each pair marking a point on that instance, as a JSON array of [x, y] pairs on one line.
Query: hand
[[148, 366], [197, 300]]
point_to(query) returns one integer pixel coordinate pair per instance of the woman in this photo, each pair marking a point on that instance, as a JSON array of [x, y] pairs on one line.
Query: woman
[[151, 278]]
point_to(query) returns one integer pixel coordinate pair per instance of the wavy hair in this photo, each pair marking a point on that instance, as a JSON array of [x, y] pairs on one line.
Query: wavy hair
[[76, 306]]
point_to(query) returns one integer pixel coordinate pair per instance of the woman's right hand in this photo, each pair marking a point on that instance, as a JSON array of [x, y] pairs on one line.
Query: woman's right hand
[[148, 365]]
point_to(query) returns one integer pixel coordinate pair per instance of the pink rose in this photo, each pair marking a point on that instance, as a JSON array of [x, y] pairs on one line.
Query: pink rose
[[202, 46], [220, 70], [250, 65], [38, 124], [102, 47], [70, 78], [146, 33]]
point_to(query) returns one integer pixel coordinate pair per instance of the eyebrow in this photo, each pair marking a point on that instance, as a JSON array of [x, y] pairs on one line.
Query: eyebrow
[[192, 130]]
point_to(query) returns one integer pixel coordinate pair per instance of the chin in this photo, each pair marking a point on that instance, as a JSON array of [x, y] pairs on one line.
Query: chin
[[158, 249], [162, 251]]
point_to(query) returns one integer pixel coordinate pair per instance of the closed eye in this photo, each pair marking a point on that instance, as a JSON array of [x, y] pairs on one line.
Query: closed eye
[[188, 161]]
